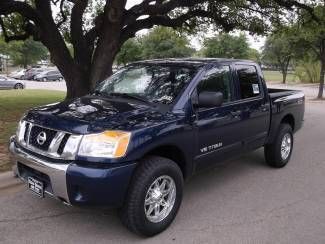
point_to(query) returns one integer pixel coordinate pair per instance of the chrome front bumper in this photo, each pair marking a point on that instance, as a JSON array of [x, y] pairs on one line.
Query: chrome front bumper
[[56, 172]]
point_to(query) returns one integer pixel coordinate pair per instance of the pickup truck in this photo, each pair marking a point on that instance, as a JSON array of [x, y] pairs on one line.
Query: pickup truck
[[142, 132]]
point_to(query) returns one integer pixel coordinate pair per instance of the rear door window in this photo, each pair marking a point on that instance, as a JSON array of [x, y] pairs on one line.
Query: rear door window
[[249, 82]]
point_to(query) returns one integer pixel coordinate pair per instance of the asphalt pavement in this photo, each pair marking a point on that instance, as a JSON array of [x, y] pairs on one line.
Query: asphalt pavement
[[241, 201]]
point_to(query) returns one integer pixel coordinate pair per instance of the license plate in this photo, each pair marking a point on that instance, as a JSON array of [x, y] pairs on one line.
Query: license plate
[[36, 186]]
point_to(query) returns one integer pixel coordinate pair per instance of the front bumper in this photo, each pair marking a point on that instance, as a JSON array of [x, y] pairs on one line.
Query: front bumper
[[71, 183]]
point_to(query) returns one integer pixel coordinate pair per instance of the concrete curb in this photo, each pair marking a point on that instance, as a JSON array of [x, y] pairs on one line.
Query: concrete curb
[[8, 180]]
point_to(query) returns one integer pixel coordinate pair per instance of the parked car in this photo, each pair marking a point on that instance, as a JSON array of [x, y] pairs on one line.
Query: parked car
[[31, 73], [10, 83], [147, 129], [18, 74], [49, 75]]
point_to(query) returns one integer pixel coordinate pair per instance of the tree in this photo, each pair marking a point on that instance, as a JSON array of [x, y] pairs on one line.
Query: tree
[[97, 29], [278, 51], [226, 46], [310, 35], [162, 42], [307, 68], [26, 52], [255, 55], [131, 51]]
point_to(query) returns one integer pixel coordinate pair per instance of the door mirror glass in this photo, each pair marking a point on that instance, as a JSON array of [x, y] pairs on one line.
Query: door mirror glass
[[209, 99]]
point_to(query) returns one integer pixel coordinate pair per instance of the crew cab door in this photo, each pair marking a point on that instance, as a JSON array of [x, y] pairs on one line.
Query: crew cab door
[[218, 129], [253, 104]]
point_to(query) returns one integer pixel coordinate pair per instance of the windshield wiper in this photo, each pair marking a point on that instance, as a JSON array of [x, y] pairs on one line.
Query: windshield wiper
[[129, 96], [98, 93]]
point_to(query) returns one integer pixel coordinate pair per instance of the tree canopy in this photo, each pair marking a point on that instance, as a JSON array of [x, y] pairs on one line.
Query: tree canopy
[[310, 35], [98, 29], [130, 51], [162, 42], [24, 53], [226, 46], [278, 51]]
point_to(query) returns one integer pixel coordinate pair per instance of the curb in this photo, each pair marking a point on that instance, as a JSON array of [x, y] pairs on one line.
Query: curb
[[8, 180]]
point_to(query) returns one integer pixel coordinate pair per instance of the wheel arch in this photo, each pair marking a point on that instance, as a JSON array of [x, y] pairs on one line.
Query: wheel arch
[[290, 120], [173, 153]]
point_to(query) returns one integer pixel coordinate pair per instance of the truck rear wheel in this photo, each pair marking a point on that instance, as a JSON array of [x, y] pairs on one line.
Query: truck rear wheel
[[279, 152], [154, 196]]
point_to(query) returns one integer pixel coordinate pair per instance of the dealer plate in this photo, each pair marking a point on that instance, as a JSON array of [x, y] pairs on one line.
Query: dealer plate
[[36, 186]]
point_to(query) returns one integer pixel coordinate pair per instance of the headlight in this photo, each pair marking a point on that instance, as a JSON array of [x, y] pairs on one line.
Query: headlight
[[109, 144]]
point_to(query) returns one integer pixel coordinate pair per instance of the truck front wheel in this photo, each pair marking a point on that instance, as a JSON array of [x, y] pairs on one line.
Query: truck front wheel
[[154, 196], [279, 152]]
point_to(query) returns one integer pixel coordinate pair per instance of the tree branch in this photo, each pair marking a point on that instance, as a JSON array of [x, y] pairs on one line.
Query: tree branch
[[10, 6], [77, 37], [8, 38], [62, 13], [167, 21]]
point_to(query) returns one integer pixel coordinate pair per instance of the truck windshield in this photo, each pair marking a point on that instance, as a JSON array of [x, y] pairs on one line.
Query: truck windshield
[[151, 83]]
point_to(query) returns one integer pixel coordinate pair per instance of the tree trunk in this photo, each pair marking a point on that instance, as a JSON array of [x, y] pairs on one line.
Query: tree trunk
[[284, 76], [285, 66], [321, 80], [109, 42], [78, 84]]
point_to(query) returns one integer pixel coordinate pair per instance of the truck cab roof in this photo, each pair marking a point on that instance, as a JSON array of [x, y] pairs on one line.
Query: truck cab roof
[[196, 62]]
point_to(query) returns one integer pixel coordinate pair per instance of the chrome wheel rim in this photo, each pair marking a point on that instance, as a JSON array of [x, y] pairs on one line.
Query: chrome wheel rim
[[160, 199], [286, 146]]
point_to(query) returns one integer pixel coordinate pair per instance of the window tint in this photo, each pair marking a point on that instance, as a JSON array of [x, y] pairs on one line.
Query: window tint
[[248, 80], [217, 79]]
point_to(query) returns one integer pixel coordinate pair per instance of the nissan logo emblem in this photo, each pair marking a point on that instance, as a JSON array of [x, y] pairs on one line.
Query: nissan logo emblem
[[41, 138]]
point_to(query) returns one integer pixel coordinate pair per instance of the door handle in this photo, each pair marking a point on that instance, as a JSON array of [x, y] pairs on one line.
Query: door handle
[[235, 114], [264, 108]]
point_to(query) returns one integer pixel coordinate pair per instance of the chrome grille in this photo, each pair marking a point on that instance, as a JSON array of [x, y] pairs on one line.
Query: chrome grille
[[54, 144], [63, 143], [35, 132]]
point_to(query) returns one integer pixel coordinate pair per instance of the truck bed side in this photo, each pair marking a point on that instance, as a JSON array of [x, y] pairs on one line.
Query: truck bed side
[[286, 106]]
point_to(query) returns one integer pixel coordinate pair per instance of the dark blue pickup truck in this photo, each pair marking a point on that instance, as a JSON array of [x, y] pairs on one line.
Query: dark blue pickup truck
[[150, 126]]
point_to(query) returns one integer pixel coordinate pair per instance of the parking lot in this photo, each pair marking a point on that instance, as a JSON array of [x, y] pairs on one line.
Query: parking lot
[[242, 201]]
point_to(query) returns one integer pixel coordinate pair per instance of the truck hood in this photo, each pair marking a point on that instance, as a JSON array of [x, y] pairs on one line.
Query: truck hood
[[92, 114]]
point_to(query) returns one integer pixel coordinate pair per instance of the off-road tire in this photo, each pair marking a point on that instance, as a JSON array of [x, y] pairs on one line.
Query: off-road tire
[[132, 213], [272, 151]]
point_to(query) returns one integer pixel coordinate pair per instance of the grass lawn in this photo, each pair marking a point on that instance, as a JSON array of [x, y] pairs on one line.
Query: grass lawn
[[276, 76], [13, 104]]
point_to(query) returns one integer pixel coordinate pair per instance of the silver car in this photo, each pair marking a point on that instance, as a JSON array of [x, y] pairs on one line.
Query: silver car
[[10, 83]]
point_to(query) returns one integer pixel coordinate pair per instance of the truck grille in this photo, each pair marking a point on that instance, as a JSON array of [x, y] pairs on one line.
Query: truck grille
[[45, 141], [44, 144]]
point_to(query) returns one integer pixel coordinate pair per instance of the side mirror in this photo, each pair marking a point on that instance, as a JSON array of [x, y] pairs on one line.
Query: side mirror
[[209, 99]]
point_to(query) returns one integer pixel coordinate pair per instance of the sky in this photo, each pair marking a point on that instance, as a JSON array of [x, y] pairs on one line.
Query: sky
[[256, 42]]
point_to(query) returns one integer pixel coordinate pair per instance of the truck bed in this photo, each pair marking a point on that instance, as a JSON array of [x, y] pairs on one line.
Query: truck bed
[[279, 93], [288, 104]]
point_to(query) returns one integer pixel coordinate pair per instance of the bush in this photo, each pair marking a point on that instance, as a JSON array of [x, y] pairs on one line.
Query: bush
[[308, 72]]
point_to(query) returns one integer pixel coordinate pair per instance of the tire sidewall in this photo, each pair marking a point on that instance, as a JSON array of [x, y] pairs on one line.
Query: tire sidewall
[[18, 86], [285, 129], [147, 227]]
